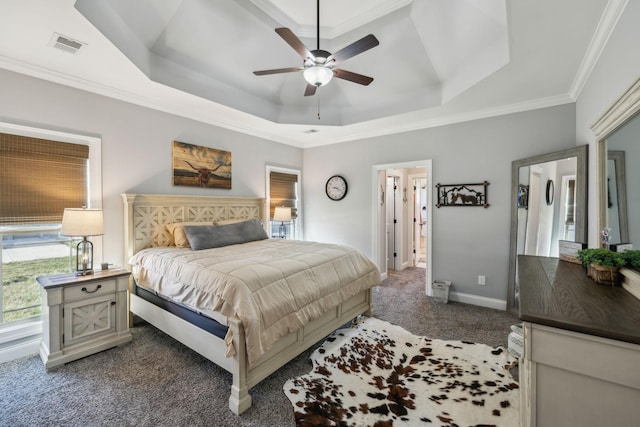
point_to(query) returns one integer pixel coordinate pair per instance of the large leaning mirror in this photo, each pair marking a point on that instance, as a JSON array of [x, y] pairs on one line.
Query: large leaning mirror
[[618, 166], [548, 204]]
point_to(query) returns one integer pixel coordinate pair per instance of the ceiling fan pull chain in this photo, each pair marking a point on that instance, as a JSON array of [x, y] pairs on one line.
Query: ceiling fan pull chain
[[318, 24], [318, 96]]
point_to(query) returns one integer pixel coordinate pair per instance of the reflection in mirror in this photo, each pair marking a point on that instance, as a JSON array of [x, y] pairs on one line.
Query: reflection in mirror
[[623, 166], [548, 205], [617, 135], [617, 198]]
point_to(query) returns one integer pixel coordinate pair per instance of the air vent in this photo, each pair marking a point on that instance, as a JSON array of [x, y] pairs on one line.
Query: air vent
[[66, 43]]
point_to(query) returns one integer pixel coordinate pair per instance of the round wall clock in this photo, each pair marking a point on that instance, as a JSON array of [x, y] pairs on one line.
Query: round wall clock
[[336, 187]]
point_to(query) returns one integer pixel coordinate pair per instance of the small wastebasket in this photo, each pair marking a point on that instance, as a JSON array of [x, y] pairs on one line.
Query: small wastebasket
[[440, 290], [515, 341]]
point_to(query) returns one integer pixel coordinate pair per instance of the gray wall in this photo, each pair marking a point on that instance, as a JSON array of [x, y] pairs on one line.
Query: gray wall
[[136, 145], [467, 242], [617, 69]]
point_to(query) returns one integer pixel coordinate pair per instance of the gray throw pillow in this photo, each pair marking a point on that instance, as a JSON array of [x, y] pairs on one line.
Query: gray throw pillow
[[216, 236]]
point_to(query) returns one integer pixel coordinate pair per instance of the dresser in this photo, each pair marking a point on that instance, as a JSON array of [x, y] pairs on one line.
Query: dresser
[[581, 359], [82, 315]]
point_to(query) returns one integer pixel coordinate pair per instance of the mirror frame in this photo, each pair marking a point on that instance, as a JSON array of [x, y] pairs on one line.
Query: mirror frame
[[581, 153], [623, 110]]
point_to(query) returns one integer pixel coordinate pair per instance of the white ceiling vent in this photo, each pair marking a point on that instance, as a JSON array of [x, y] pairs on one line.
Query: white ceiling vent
[[66, 43]]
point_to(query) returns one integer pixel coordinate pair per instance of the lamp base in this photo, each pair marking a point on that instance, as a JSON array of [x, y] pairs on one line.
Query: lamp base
[[84, 272]]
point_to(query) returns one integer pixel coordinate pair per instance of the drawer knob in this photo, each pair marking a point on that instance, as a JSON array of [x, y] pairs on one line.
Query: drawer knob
[[84, 289]]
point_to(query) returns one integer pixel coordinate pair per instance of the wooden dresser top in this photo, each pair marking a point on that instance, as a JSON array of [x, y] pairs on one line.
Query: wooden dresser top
[[559, 294]]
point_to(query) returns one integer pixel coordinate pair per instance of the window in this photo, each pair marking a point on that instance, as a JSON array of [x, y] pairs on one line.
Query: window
[[283, 189], [41, 173], [39, 178]]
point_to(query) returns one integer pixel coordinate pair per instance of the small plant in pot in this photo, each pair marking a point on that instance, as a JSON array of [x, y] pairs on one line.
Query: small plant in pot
[[602, 264]]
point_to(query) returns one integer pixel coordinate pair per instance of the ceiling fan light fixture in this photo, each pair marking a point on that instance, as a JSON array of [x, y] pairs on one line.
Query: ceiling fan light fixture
[[318, 75]]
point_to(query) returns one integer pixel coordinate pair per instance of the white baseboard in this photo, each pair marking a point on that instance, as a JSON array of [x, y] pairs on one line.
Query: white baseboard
[[16, 351], [496, 304], [19, 340]]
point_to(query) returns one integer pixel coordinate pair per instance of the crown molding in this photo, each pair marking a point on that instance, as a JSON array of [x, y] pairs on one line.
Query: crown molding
[[237, 121], [606, 26], [395, 125], [215, 114]]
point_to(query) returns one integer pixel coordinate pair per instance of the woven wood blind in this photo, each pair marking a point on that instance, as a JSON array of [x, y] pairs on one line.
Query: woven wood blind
[[39, 178], [283, 192]]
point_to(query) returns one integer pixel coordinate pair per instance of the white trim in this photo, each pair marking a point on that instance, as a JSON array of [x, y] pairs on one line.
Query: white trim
[[608, 21], [20, 340], [494, 303]]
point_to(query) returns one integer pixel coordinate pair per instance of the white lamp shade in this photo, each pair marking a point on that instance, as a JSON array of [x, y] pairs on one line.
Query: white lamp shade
[[82, 222], [317, 75], [282, 214]]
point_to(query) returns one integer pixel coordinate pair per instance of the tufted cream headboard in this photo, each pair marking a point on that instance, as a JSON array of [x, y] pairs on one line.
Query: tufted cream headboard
[[146, 215]]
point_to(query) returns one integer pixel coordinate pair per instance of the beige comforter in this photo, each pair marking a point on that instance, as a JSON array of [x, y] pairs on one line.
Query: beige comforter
[[273, 286]]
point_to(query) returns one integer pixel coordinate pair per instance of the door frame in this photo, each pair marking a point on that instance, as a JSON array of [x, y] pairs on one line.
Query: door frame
[[378, 239]]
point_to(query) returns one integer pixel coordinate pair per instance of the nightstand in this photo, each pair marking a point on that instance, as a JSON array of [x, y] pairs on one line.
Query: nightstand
[[82, 315]]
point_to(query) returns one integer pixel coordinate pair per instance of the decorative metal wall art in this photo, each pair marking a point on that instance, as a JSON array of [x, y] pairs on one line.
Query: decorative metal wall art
[[523, 196], [462, 194]]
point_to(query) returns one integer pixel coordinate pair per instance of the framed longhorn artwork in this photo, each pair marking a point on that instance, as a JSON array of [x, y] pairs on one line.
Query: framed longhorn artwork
[[197, 166]]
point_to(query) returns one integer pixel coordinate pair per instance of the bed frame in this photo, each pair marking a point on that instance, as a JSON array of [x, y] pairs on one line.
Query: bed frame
[[145, 217]]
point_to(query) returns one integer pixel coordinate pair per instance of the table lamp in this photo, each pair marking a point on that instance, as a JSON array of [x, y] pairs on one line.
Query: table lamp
[[282, 214], [77, 222]]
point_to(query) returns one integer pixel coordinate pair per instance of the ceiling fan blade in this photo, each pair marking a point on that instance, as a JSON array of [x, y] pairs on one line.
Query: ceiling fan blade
[[294, 42], [352, 77], [310, 90], [277, 71], [355, 48]]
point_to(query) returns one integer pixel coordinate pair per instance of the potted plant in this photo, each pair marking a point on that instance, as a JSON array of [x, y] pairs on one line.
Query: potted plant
[[602, 264], [631, 259]]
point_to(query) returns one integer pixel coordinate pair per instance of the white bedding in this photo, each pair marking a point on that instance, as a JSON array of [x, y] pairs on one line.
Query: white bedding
[[273, 286]]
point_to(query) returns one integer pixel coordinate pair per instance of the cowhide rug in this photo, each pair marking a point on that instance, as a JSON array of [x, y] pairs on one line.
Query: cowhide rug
[[378, 374]]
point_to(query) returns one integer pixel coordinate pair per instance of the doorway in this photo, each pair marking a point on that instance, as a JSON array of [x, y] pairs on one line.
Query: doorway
[[419, 220], [402, 217], [393, 222]]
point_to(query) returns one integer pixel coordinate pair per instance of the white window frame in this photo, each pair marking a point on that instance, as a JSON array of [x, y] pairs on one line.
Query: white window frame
[[18, 339]]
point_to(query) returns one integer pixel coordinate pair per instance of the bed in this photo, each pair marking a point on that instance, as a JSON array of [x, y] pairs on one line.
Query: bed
[[269, 320]]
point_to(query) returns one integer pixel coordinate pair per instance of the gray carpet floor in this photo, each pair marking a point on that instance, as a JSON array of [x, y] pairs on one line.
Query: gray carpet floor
[[156, 381]]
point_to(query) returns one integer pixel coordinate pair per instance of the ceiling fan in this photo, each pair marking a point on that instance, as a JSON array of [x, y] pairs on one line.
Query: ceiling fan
[[319, 65]]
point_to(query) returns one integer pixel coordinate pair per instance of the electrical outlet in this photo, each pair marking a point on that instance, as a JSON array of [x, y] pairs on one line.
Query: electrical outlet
[[481, 280]]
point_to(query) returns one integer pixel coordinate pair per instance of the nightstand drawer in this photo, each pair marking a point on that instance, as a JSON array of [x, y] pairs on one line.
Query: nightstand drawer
[[88, 319], [90, 289]]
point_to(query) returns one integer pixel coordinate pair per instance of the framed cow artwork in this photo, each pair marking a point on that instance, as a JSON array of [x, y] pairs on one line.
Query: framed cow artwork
[[197, 166], [462, 194]]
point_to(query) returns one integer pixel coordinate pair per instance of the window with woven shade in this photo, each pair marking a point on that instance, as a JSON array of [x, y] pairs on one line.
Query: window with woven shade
[[283, 192], [39, 178]]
